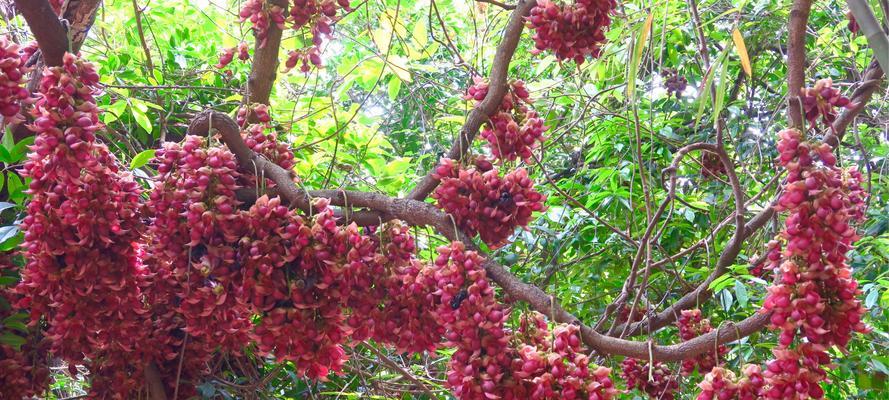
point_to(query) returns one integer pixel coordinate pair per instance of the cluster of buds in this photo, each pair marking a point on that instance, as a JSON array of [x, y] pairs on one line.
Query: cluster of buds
[[228, 55], [196, 224], [552, 364], [13, 76], [657, 382], [262, 14], [259, 135], [312, 17], [515, 129], [721, 384], [796, 374], [485, 203], [401, 315], [814, 294], [24, 371], [673, 82], [571, 31], [691, 325], [474, 323], [821, 100], [815, 291], [82, 233]]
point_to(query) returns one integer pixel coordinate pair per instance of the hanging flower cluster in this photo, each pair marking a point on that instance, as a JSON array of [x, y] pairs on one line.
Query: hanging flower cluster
[[490, 362], [571, 31], [24, 371], [312, 18], [721, 384], [821, 100], [196, 227], [262, 14], [662, 383], [515, 129], [403, 312], [485, 203], [82, 233], [552, 364], [673, 82], [13, 77], [691, 325], [228, 55], [815, 294]]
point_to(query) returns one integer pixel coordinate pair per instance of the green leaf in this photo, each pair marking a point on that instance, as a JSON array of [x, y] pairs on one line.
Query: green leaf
[[11, 339], [139, 114], [20, 150], [8, 281], [721, 283], [4, 206], [741, 293], [394, 87], [872, 298], [142, 158], [114, 111], [7, 232]]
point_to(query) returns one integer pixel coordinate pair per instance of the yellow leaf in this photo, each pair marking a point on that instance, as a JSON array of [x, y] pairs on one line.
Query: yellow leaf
[[398, 65], [637, 55], [742, 52]]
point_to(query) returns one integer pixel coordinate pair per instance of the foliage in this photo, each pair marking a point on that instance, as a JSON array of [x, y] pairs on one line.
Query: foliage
[[388, 102]]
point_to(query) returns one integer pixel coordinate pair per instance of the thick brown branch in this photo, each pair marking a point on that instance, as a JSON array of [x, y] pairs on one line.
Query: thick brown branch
[[153, 383], [796, 59], [870, 83], [265, 63], [51, 36], [80, 16], [496, 90]]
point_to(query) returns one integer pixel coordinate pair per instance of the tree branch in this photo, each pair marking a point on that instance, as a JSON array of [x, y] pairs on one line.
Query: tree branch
[[796, 60], [415, 212], [497, 87], [51, 36], [870, 83], [264, 70], [153, 383]]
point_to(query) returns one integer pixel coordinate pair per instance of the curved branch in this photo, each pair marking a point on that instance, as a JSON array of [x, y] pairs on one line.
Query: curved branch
[[726, 258], [416, 212], [496, 90], [870, 83]]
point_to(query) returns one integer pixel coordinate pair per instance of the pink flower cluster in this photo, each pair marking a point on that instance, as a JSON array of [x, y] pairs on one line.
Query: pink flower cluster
[[662, 385], [485, 203], [821, 100], [571, 31], [815, 294], [314, 18], [515, 129], [228, 55], [24, 372], [691, 325], [262, 14], [721, 384], [491, 362], [13, 76], [82, 233]]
